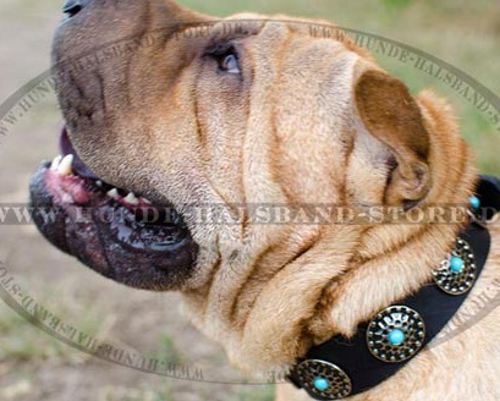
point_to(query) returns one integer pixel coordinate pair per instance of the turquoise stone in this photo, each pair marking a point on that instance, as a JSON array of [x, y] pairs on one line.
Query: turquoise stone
[[321, 384], [474, 202], [396, 337], [456, 264]]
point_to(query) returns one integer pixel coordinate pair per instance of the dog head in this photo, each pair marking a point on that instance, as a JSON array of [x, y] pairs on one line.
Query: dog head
[[189, 113]]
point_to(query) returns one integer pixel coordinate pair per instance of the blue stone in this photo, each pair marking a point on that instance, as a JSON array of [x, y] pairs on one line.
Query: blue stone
[[474, 202], [321, 384], [396, 337], [456, 264]]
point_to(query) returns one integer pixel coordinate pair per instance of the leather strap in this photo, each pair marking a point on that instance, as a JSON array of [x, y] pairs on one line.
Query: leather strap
[[434, 305]]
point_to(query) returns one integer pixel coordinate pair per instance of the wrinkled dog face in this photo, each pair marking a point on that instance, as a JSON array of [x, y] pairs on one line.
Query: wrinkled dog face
[[240, 113]]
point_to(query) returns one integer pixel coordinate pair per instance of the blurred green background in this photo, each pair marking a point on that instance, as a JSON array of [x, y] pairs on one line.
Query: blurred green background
[[34, 366]]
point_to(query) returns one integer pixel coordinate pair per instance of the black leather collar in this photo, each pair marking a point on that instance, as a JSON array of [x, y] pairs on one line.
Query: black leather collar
[[350, 363]]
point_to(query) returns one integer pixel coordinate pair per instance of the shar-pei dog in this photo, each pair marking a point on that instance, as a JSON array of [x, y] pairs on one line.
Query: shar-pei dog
[[283, 183]]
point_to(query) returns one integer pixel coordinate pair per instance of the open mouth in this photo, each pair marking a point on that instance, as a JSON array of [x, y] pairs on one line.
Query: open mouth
[[117, 233]]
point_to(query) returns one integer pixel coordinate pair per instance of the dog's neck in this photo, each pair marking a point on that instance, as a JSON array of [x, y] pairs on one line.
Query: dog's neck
[[346, 276]]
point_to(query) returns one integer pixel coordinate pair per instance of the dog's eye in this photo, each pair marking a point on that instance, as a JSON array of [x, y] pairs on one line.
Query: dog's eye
[[230, 64], [227, 59]]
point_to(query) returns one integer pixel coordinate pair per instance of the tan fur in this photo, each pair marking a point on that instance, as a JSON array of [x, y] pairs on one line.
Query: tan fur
[[297, 130]]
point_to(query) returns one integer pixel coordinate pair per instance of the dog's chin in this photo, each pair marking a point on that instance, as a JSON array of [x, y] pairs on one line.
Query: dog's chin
[[124, 238]]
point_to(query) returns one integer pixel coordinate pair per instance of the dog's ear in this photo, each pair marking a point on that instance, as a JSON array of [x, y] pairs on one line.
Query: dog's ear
[[392, 115]]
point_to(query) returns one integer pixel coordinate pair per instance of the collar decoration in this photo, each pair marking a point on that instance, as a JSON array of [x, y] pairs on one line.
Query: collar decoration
[[457, 273], [395, 334], [341, 367]]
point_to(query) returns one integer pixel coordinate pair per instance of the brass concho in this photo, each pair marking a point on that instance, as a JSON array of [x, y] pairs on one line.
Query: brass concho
[[323, 380], [395, 334], [457, 281]]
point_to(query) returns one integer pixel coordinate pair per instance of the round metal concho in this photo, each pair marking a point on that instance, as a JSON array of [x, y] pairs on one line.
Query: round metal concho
[[457, 283], [398, 317], [339, 384]]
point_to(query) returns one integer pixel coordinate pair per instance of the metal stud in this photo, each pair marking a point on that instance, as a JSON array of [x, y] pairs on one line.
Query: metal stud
[[323, 380], [395, 334], [475, 202], [457, 273]]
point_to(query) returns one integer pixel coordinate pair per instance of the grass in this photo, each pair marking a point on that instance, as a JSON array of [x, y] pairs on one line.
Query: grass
[[22, 341], [257, 393], [110, 393], [167, 351]]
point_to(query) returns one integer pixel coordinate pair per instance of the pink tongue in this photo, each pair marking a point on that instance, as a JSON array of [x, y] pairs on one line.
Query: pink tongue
[[66, 147]]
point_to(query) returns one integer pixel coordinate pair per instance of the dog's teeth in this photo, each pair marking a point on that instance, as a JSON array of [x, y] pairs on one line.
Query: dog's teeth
[[65, 165], [55, 163], [131, 199], [146, 201], [98, 183], [113, 193]]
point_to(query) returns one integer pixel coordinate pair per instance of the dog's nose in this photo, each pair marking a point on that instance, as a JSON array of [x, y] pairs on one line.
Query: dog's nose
[[73, 7]]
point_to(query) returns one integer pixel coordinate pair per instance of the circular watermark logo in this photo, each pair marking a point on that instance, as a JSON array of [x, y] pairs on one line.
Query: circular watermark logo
[[19, 106]]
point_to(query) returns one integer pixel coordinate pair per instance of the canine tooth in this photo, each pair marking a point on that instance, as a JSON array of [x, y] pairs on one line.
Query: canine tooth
[[65, 165], [146, 201], [98, 183], [113, 193], [131, 199], [55, 163]]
